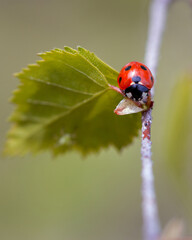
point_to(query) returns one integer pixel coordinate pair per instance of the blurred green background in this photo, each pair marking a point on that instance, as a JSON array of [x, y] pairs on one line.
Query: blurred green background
[[98, 197]]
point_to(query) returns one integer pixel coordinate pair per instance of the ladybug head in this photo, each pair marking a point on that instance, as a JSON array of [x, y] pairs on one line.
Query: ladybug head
[[137, 92]]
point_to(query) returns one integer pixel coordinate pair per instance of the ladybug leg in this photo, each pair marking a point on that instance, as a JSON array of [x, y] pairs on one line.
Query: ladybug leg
[[151, 104], [117, 90], [149, 101]]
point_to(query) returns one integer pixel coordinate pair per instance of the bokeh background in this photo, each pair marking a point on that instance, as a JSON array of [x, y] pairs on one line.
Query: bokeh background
[[98, 197]]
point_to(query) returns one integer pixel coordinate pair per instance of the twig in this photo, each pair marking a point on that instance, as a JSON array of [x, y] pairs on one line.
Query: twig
[[151, 225], [157, 21]]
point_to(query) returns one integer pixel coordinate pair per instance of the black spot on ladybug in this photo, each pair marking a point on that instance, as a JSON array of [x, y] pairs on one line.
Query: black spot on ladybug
[[120, 79], [127, 68], [142, 88], [136, 79], [144, 68], [151, 79]]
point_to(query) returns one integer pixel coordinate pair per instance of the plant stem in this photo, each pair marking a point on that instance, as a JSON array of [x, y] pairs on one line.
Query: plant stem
[[157, 20], [151, 225]]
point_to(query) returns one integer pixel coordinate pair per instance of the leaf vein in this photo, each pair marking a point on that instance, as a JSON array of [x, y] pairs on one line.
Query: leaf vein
[[76, 69], [45, 103], [52, 120], [57, 85]]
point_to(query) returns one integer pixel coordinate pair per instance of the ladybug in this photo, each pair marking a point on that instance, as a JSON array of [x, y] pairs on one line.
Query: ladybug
[[135, 81]]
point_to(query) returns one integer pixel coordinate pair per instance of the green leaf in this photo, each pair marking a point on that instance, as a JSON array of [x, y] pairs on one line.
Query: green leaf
[[64, 102], [178, 134]]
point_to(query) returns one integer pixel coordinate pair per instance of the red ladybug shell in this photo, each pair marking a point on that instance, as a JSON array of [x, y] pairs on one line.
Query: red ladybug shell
[[135, 72]]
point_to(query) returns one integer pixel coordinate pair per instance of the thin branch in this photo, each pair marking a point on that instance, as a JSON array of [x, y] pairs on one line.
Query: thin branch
[[151, 225], [157, 20]]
